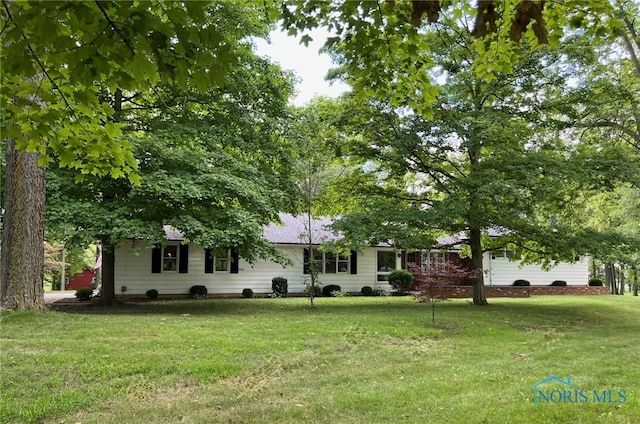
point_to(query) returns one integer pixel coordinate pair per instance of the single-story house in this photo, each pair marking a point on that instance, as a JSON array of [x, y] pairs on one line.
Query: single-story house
[[174, 267]]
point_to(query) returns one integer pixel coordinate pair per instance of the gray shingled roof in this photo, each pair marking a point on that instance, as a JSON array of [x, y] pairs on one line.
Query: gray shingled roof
[[293, 230]]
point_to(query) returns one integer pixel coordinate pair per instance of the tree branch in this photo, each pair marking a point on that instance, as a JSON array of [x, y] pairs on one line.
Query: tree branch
[[115, 27]]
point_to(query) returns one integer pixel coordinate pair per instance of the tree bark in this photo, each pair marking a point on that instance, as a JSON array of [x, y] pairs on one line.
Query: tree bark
[[108, 291], [476, 263], [635, 281], [22, 261]]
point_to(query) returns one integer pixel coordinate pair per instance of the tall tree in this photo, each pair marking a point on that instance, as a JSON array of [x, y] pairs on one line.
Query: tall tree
[[483, 161], [315, 137], [213, 165], [55, 56]]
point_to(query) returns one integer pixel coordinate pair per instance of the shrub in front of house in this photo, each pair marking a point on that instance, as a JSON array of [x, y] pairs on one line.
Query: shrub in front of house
[[380, 292], [317, 291], [329, 289], [366, 291], [279, 287], [521, 283], [248, 293], [559, 283], [198, 291], [401, 280], [84, 293], [152, 294], [596, 282]]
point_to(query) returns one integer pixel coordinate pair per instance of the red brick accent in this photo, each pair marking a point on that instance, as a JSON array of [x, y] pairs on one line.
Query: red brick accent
[[461, 292]]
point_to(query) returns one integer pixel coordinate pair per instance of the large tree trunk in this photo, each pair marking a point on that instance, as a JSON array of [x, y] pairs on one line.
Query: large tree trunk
[[108, 291], [610, 277], [635, 280], [22, 261], [476, 263]]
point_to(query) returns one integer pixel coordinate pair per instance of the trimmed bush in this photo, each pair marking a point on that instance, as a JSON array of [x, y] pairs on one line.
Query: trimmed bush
[[152, 294], [560, 283], [247, 293], [279, 287], [380, 292], [521, 283], [198, 291], [596, 282], [400, 280], [84, 293], [329, 289], [367, 291]]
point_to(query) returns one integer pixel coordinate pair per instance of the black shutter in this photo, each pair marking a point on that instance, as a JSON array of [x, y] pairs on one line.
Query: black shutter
[[354, 262], [183, 258], [305, 262], [208, 261], [156, 259], [235, 258]]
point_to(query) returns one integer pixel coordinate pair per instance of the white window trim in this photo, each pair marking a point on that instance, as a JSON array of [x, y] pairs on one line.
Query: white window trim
[[323, 262], [165, 257]]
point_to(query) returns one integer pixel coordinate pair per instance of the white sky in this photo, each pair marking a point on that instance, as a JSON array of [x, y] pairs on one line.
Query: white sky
[[309, 66]]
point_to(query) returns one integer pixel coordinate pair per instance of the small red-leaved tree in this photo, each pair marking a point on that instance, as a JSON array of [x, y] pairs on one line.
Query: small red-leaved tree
[[430, 284]]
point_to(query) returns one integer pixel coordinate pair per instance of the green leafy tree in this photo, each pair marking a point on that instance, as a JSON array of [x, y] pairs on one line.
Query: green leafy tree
[[213, 165], [385, 54], [483, 160], [56, 58], [315, 137]]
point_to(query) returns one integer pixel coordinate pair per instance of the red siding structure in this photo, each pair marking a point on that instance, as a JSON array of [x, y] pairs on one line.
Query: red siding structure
[[83, 279]]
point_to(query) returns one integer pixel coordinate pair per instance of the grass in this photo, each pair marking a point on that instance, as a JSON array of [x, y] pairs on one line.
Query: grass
[[349, 360]]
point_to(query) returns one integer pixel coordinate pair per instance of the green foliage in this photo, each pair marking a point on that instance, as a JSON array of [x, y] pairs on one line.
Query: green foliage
[[198, 291], [84, 293], [381, 292], [60, 59], [152, 294], [596, 282], [328, 290], [279, 286], [521, 283], [400, 280], [560, 283], [213, 165], [248, 293], [366, 291], [315, 289]]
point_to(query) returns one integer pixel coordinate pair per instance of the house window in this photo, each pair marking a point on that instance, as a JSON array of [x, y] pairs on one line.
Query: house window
[[437, 259], [329, 262], [386, 264], [502, 253], [217, 260], [170, 259], [221, 260], [411, 257]]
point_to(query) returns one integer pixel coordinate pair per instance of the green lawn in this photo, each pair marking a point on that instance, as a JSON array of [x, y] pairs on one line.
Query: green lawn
[[349, 360]]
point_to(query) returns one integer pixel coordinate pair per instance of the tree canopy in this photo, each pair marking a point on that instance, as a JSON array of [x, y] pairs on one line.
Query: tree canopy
[[489, 158]]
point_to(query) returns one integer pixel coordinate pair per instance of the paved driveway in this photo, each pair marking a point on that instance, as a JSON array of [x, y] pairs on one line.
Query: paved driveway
[[53, 297]]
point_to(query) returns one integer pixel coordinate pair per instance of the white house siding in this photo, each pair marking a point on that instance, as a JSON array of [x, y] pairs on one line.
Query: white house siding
[[503, 272], [133, 271]]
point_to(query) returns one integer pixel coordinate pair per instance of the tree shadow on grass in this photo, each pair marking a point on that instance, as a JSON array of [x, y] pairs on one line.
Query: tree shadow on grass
[[517, 313]]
